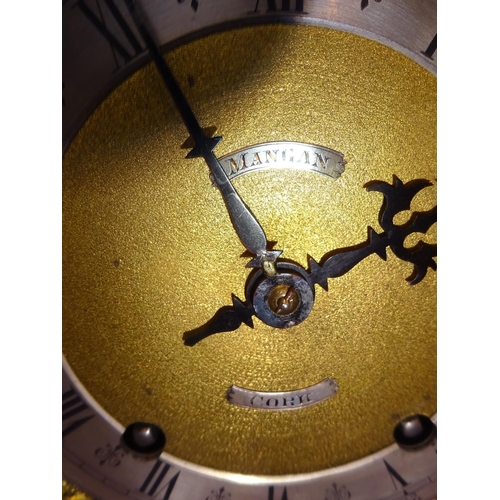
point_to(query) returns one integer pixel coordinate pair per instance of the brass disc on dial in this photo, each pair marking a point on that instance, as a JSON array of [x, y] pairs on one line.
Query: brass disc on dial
[[150, 252]]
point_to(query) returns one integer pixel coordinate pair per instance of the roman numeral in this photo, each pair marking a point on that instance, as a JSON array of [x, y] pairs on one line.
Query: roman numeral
[[155, 484], [270, 495], [118, 46], [429, 51], [395, 476], [194, 4], [285, 6], [365, 3], [75, 412]]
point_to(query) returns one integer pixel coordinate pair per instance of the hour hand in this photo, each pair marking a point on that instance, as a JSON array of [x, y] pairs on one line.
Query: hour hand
[[339, 262], [282, 300], [226, 319], [397, 197]]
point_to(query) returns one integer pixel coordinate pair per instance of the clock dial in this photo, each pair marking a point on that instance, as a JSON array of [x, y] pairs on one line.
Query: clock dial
[[150, 253]]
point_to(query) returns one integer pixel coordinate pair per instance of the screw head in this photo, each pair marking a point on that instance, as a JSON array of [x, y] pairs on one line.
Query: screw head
[[144, 440], [414, 432]]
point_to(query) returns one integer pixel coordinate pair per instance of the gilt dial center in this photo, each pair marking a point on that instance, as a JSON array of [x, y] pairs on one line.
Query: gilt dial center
[[129, 196]]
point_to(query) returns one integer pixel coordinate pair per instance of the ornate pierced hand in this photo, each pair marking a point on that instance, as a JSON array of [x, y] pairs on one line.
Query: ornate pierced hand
[[259, 290], [397, 197]]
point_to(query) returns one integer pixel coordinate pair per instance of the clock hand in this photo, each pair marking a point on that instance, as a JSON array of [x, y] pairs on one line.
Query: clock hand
[[226, 319], [397, 197], [343, 260], [247, 227], [282, 300]]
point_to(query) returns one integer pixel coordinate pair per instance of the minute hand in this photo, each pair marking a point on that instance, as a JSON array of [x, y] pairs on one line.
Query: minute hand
[[247, 227]]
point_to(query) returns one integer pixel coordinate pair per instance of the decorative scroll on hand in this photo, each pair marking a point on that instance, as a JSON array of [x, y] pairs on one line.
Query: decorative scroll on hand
[[397, 198]]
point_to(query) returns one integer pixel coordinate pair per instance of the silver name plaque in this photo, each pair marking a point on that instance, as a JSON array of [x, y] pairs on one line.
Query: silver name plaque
[[289, 400], [290, 155]]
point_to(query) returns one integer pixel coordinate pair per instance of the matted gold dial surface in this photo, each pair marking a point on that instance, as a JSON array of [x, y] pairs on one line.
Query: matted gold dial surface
[[150, 252]]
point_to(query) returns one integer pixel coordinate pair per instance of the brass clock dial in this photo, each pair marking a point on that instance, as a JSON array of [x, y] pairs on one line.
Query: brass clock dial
[[150, 253]]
